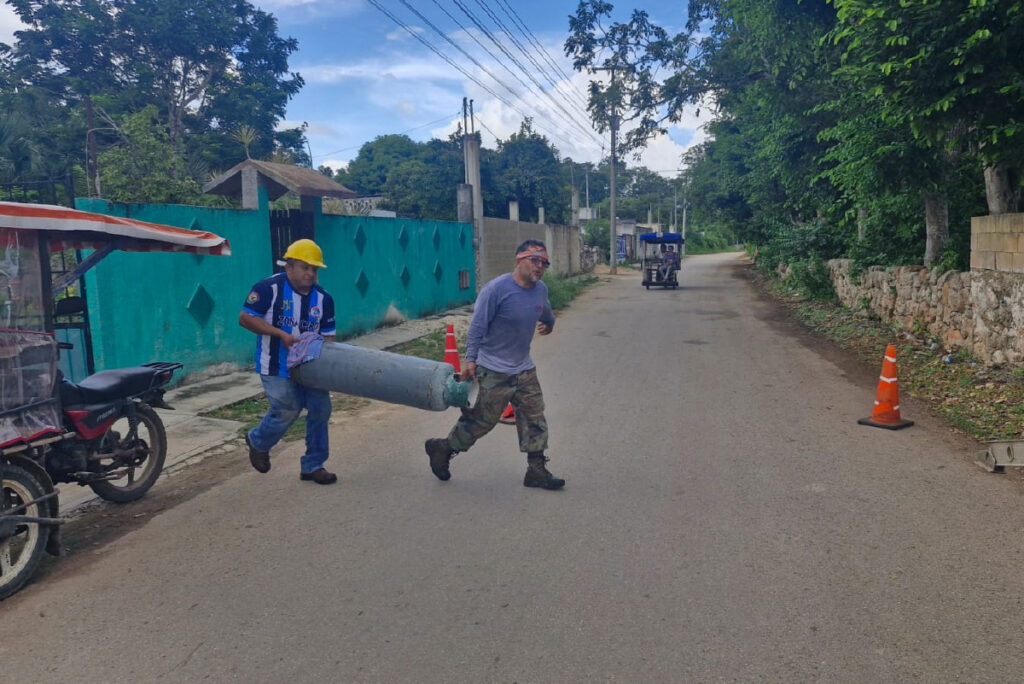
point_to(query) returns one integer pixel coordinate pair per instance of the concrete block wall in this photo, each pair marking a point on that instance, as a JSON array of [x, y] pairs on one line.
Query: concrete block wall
[[502, 236], [997, 243]]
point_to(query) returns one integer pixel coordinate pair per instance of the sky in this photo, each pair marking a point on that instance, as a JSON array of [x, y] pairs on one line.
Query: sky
[[369, 74]]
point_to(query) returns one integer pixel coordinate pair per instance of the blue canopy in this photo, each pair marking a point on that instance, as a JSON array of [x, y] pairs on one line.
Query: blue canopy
[[662, 238]]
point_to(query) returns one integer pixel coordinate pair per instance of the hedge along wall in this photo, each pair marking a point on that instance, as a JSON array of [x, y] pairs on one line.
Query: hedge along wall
[[184, 307], [383, 270]]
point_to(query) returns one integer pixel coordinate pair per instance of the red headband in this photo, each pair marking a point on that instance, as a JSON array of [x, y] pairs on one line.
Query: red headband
[[533, 250]]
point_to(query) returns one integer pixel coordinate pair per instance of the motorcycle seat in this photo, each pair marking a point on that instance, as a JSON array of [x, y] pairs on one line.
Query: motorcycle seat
[[108, 385]]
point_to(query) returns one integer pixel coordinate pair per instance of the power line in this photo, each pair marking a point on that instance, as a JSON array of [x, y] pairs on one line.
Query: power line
[[515, 42], [458, 68], [544, 72], [504, 50], [475, 61], [484, 48], [514, 16]]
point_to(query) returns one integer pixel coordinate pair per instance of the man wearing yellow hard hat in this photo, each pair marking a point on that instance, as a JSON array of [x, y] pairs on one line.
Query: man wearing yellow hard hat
[[279, 309]]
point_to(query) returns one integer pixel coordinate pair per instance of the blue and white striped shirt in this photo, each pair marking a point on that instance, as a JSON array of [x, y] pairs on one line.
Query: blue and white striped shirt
[[274, 300]]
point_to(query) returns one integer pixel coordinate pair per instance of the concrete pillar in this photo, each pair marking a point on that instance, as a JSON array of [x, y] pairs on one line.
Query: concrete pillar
[[540, 215], [574, 219], [250, 188], [471, 150], [513, 210], [464, 202]]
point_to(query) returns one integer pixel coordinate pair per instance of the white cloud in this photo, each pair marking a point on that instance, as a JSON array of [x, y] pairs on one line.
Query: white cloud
[[424, 70], [9, 23], [301, 11]]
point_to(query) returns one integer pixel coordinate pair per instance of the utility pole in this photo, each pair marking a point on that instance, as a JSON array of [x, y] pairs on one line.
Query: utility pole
[[612, 219], [675, 206], [613, 254]]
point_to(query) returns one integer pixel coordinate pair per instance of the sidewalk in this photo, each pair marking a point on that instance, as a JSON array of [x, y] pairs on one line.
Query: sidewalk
[[191, 437]]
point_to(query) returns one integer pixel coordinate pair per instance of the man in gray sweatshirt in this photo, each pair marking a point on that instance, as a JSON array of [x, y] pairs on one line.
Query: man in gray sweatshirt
[[508, 311]]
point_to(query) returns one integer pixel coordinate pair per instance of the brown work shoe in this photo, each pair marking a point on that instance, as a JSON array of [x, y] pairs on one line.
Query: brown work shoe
[[260, 460], [440, 453], [321, 476]]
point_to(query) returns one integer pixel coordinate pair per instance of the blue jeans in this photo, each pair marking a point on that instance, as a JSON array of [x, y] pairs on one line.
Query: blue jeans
[[287, 399]]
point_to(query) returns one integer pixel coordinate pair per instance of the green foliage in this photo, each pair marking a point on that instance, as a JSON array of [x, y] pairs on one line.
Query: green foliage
[[810, 277], [709, 239], [562, 290], [144, 167], [837, 115], [208, 67]]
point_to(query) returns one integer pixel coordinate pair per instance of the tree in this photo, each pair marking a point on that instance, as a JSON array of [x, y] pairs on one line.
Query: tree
[[632, 53], [145, 167], [368, 172], [530, 171], [949, 71], [208, 67]]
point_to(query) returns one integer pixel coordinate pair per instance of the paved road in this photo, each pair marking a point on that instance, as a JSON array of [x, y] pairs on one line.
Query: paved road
[[725, 518]]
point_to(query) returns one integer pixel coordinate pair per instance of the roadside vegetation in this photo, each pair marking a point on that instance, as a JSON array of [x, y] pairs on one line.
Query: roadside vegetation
[[985, 402], [250, 411]]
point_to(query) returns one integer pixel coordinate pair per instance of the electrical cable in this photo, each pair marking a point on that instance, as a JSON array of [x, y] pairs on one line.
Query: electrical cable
[[484, 48], [497, 43], [515, 41], [447, 59]]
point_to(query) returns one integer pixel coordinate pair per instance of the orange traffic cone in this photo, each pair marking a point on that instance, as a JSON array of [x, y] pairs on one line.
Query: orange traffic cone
[[886, 413], [508, 417], [451, 351]]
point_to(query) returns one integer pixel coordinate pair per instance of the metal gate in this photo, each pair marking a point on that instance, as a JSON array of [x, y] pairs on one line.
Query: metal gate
[[287, 226]]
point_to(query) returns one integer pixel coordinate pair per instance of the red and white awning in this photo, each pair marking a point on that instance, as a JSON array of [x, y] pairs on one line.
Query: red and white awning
[[72, 228]]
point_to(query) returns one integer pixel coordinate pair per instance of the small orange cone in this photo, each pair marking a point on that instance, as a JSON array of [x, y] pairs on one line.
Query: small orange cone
[[886, 413], [508, 417], [451, 351]]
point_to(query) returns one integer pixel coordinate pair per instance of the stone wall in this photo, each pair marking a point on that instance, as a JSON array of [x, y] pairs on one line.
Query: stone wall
[[981, 310]]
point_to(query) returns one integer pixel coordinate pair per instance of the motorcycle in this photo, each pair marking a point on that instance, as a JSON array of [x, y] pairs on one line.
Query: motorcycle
[[102, 432], [109, 439]]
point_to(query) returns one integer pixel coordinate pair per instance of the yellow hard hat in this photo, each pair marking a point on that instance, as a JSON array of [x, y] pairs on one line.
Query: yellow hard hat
[[306, 250]]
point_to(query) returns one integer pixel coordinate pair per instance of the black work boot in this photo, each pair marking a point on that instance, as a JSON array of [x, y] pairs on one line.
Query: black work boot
[[537, 475], [440, 453]]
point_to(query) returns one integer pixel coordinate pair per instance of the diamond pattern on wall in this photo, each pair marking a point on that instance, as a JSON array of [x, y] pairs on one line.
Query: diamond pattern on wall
[[362, 283], [403, 238], [438, 272], [405, 276], [437, 237], [200, 305], [360, 239]]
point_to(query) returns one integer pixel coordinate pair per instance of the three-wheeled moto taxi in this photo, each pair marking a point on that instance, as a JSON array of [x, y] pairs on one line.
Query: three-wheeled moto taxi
[[101, 432], [660, 258]]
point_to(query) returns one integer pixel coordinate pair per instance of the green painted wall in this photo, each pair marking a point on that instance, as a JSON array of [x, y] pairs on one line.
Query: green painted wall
[[374, 264], [184, 307], [176, 306]]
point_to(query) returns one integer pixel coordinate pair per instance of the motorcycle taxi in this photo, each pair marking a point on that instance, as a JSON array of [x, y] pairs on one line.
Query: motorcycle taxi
[[102, 432], [655, 260]]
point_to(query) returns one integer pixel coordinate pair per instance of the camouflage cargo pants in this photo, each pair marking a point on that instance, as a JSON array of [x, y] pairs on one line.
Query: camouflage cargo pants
[[497, 390]]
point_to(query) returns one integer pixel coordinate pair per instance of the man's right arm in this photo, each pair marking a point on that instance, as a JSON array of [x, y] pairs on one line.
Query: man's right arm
[[259, 326]]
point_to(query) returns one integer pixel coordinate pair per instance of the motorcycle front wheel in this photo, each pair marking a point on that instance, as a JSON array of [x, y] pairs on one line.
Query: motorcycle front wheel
[[139, 458], [21, 544]]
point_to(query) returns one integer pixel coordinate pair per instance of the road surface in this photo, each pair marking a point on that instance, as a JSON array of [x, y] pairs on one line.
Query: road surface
[[725, 519]]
